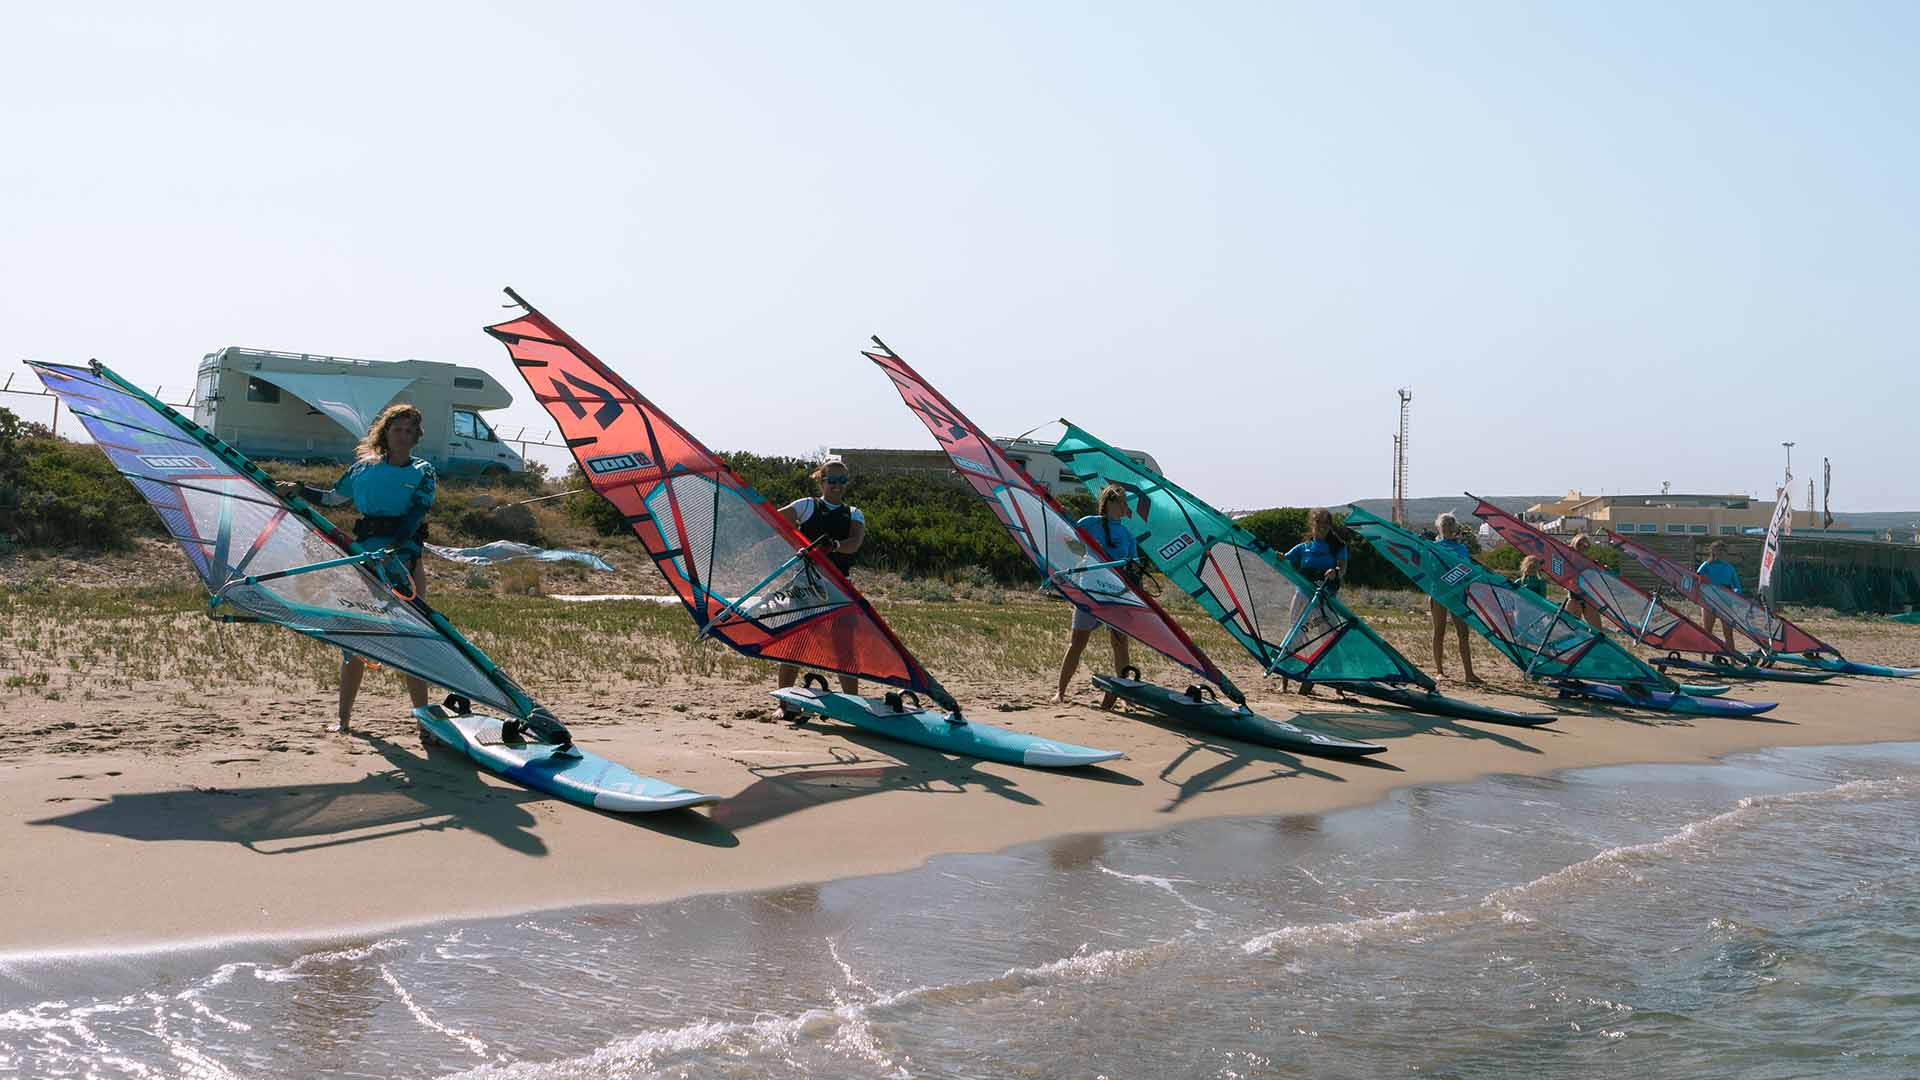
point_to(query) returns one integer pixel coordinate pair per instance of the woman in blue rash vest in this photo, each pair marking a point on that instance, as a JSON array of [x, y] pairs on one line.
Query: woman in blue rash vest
[[1116, 542], [1722, 573], [1449, 529], [839, 527], [392, 490], [1322, 559]]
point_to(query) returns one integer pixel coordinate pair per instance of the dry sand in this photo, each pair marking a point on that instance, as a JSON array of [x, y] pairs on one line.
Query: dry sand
[[127, 822]]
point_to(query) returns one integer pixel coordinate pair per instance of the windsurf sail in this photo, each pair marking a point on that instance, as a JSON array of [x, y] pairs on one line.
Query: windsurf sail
[[271, 560], [1642, 616], [1537, 636], [745, 575], [1291, 626], [1771, 632], [1067, 558], [1780, 526]]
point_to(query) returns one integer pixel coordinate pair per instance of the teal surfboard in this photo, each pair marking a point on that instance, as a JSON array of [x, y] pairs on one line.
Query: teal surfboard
[[1849, 667], [1233, 721], [578, 776], [903, 719]]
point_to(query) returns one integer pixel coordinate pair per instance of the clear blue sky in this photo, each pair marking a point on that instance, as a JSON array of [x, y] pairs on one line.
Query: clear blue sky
[[1606, 245]]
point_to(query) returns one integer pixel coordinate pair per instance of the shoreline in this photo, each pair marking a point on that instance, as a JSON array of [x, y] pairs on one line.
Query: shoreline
[[204, 845]]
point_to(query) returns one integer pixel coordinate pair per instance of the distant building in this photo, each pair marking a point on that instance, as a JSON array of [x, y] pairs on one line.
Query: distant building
[[1034, 456], [1665, 514]]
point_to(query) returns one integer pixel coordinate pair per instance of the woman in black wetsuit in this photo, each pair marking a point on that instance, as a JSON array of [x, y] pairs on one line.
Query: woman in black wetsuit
[[829, 516]]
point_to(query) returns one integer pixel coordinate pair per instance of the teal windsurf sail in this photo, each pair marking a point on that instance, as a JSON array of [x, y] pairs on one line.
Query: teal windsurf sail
[[1539, 637], [1292, 627]]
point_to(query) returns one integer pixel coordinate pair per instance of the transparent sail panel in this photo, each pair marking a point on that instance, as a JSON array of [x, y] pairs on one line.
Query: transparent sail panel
[[1060, 550], [747, 569]]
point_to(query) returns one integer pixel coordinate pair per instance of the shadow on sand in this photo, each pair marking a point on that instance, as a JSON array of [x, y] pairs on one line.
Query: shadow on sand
[[441, 789], [779, 790]]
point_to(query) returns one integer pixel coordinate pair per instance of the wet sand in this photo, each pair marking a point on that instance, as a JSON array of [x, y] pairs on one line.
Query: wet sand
[[145, 823]]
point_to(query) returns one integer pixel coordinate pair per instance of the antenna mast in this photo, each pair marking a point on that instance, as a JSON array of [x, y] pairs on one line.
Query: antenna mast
[[1400, 461]]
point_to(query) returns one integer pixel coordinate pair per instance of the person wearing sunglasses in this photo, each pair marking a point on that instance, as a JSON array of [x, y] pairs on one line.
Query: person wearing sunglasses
[[839, 528]]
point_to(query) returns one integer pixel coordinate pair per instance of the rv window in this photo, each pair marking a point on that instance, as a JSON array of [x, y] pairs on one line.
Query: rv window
[[263, 392], [468, 425], [463, 383]]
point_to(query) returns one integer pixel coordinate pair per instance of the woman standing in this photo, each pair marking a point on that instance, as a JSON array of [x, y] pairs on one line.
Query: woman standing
[[1450, 533], [839, 528], [1722, 573], [392, 490], [1322, 559], [1117, 542], [1576, 603], [1531, 579]]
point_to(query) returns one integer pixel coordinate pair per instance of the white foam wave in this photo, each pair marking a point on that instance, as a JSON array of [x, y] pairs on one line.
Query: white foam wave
[[465, 1038], [1164, 884], [297, 969], [1408, 923]]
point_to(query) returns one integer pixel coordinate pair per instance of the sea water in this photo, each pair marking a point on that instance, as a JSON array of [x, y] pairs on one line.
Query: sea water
[[1759, 917]]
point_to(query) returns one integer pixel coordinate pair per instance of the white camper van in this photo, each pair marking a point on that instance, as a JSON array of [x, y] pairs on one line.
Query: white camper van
[[302, 407]]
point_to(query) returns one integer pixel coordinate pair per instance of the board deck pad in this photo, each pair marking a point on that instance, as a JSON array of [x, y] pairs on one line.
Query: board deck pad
[[931, 728], [1235, 722], [578, 776]]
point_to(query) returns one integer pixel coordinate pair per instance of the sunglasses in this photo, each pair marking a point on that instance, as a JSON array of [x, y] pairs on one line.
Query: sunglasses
[[842, 480]]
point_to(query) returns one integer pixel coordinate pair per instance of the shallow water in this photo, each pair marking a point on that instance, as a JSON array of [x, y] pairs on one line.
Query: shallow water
[[1757, 918]]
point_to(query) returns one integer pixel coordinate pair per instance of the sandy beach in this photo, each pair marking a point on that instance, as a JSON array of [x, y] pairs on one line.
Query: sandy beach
[[136, 821]]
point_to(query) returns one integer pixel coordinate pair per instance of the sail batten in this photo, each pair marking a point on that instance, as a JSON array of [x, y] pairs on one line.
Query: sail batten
[[1643, 616], [292, 570], [745, 576], [1537, 636], [1772, 632], [1291, 626], [1067, 558]]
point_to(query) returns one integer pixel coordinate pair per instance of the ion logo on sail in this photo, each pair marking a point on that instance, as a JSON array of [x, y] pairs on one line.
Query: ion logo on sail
[[1456, 575], [613, 463], [1177, 545], [175, 462]]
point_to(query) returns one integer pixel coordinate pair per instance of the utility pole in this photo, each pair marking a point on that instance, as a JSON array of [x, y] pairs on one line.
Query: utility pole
[[1789, 476], [1400, 461]]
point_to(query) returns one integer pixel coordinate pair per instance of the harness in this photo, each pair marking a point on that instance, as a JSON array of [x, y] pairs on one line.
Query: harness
[[834, 523]]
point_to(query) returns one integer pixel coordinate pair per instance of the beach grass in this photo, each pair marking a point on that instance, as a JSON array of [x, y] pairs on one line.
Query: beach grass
[[67, 642]]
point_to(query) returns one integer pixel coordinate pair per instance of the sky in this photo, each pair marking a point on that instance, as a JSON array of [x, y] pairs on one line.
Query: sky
[[1606, 246]]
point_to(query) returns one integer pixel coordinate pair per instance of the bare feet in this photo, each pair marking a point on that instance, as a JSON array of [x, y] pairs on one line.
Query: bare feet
[[340, 725], [1475, 680], [1060, 697]]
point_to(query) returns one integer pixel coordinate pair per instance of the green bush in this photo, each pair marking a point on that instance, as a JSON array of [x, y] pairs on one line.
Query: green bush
[[69, 495]]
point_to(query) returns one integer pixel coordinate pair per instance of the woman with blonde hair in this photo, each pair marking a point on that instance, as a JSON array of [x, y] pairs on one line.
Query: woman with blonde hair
[[392, 490], [1576, 604], [1117, 543], [1450, 532]]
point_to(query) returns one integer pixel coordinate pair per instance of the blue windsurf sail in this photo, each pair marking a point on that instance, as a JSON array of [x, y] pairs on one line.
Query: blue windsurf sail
[[267, 559]]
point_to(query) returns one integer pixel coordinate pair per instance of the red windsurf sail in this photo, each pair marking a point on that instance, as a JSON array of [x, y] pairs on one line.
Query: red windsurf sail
[[1640, 615], [1770, 631], [746, 576], [1069, 559]]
